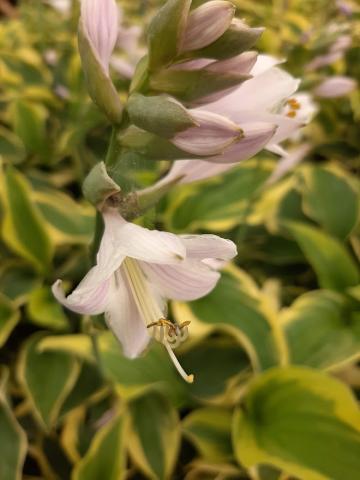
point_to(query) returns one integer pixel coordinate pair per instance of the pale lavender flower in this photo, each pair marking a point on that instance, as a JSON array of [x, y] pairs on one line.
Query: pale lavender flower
[[137, 270], [100, 20], [268, 111], [336, 86]]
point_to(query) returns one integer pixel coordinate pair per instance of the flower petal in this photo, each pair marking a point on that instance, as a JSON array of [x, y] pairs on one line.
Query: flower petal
[[208, 246], [212, 134], [131, 240], [194, 170], [123, 318], [261, 93], [89, 298], [256, 137], [101, 20], [188, 281]]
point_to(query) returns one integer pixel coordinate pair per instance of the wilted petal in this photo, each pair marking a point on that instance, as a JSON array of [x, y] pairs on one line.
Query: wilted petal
[[208, 246], [256, 136], [212, 135], [90, 296], [100, 19], [336, 86], [188, 281], [206, 24], [123, 318], [141, 243]]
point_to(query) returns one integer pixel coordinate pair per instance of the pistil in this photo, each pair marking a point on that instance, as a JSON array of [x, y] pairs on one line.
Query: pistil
[[164, 331]]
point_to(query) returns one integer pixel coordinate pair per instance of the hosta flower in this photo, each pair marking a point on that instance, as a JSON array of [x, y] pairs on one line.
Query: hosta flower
[[136, 271], [268, 111]]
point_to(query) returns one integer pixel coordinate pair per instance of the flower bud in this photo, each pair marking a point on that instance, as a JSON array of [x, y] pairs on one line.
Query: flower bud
[[237, 39], [161, 114], [334, 87], [97, 37], [100, 21], [212, 135], [206, 24]]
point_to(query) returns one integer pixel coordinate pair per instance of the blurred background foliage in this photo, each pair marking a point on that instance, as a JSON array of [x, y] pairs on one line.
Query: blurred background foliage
[[274, 348]]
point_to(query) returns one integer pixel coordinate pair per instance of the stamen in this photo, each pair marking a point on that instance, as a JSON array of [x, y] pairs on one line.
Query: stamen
[[291, 114], [185, 376]]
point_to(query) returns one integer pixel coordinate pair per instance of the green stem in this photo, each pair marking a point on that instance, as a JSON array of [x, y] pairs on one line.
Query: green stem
[[113, 150], [89, 330]]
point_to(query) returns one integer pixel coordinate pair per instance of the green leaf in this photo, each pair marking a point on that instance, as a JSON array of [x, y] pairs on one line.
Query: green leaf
[[216, 205], [47, 378], [331, 261], [23, 228], [17, 281], [159, 114], [11, 147], [322, 330], [301, 421], [209, 429], [330, 199], [9, 318], [67, 221], [13, 444], [131, 377], [165, 32], [154, 436], [106, 455], [244, 312], [30, 125], [43, 310], [219, 365], [191, 85]]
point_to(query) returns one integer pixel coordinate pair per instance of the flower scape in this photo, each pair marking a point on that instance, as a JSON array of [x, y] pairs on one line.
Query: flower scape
[[179, 206]]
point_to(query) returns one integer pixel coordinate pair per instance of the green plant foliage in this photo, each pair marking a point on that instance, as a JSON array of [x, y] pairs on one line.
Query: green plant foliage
[[14, 444], [274, 348], [106, 454], [301, 421]]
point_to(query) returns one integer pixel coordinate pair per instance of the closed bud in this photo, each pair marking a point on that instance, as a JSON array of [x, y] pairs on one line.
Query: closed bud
[[212, 135], [161, 114], [238, 38], [100, 19], [336, 86], [206, 24], [98, 30]]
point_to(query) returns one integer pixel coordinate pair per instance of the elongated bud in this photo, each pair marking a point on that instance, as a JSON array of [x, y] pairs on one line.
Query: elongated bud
[[237, 39], [100, 20], [161, 114], [213, 134], [334, 87], [165, 33], [98, 29], [206, 24]]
